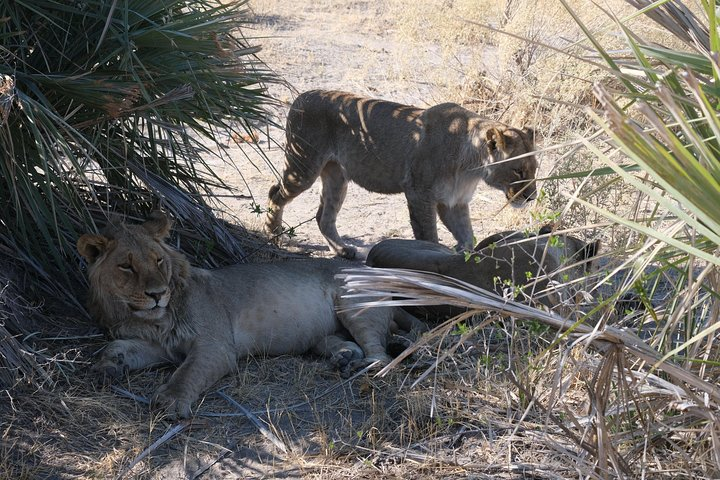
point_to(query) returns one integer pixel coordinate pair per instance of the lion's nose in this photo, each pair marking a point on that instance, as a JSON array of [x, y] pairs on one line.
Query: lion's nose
[[529, 191], [156, 295]]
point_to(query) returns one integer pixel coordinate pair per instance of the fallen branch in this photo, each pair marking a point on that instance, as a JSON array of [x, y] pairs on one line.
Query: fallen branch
[[170, 433], [256, 421]]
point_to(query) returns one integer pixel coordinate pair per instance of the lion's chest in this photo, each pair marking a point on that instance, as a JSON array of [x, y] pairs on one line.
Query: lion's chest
[[456, 189]]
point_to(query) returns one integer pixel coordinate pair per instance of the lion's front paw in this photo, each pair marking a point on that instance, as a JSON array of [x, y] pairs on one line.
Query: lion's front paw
[[173, 400], [111, 365]]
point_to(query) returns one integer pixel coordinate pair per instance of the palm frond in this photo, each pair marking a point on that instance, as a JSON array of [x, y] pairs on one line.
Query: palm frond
[[627, 373], [119, 106], [413, 288], [677, 19]]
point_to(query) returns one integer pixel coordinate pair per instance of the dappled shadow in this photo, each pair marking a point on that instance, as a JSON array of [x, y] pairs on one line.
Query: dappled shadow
[[317, 249], [85, 429]]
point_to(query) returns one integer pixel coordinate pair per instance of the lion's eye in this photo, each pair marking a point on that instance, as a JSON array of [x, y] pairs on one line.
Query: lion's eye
[[126, 267], [160, 261], [518, 173]]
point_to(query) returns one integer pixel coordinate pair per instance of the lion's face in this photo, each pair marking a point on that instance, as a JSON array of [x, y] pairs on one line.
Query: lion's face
[[138, 275], [514, 176], [131, 267]]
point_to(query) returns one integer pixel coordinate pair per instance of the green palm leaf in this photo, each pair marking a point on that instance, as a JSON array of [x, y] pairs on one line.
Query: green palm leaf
[[111, 106]]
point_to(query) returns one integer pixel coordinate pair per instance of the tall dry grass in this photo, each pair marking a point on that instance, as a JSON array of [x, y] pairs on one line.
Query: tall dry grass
[[629, 100]]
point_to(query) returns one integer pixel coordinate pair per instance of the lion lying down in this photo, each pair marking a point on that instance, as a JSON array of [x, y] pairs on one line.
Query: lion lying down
[[507, 259], [159, 309]]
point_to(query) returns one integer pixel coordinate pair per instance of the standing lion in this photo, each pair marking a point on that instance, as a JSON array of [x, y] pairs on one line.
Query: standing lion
[[435, 156]]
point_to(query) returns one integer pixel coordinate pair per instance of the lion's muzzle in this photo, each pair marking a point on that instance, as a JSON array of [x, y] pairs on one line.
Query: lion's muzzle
[[521, 193], [153, 304]]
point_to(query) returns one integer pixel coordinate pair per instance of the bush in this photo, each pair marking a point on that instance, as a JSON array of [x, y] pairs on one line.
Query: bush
[[114, 107]]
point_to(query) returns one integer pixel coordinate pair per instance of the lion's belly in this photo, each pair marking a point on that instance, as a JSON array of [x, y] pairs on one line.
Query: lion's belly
[[375, 172], [376, 159], [278, 308], [279, 326]]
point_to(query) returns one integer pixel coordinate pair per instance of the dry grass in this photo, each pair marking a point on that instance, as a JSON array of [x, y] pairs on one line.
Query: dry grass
[[509, 399], [523, 62], [461, 420], [627, 410], [484, 397]]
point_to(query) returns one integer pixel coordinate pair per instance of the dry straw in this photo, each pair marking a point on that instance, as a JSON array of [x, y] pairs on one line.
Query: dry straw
[[627, 373]]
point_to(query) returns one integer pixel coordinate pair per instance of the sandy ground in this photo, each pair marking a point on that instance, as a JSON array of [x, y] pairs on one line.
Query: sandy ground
[[349, 46]]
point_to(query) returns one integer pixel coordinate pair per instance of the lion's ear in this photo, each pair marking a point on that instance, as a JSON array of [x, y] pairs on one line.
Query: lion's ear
[[546, 229], [158, 225], [529, 132], [495, 139], [591, 249], [92, 246]]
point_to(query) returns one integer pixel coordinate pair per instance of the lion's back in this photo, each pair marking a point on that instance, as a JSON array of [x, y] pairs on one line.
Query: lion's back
[[372, 139]]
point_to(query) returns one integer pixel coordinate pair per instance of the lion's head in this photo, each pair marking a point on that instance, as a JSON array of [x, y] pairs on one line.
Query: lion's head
[[567, 250], [572, 251], [134, 275], [512, 165]]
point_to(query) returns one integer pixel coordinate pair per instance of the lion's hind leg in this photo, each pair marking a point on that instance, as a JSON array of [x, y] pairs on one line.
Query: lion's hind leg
[[275, 205], [334, 189], [406, 329], [341, 352], [405, 322], [293, 183], [377, 329], [369, 327], [303, 163]]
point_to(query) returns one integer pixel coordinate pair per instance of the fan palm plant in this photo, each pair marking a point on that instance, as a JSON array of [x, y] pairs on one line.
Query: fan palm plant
[[665, 126], [113, 106], [665, 122], [116, 106]]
